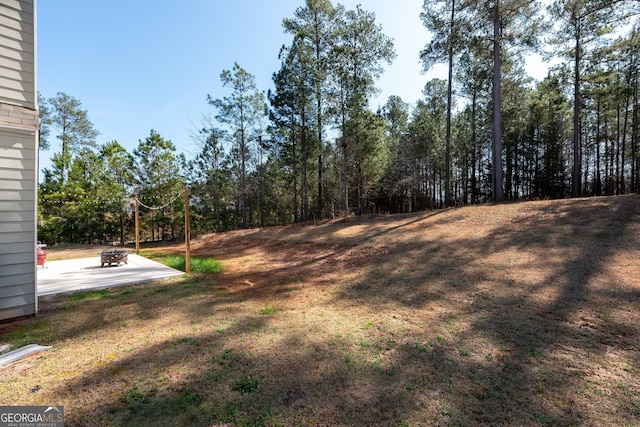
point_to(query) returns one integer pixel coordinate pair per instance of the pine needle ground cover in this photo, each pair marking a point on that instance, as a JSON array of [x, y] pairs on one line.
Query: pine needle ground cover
[[517, 314]]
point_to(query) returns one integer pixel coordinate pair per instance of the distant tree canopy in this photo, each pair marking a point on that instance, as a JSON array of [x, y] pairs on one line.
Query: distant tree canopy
[[313, 148]]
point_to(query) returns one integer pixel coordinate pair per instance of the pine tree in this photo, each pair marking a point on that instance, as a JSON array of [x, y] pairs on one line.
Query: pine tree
[[242, 111]]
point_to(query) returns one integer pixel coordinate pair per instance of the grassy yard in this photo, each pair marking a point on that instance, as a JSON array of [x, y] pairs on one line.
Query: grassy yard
[[517, 314]]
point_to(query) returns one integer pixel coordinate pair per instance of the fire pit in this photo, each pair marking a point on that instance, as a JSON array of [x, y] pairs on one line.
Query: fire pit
[[113, 256]]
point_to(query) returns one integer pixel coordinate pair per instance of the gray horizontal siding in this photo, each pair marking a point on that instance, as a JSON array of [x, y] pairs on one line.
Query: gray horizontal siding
[[17, 227], [14, 291], [10, 238], [17, 53], [17, 294], [15, 174], [22, 279], [13, 205], [16, 185], [24, 164], [13, 71], [17, 25], [15, 258], [13, 312], [18, 153], [18, 300], [17, 248], [19, 46], [15, 270], [19, 195], [20, 56], [16, 138], [13, 9], [16, 9], [15, 216], [18, 159], [18, 279], [14, 90]]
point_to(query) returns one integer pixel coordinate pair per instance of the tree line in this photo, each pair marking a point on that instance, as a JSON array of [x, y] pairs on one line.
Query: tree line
[[312, 147]]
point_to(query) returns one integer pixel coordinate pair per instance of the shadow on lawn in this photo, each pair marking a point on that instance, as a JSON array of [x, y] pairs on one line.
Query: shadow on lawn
[[446, 331], [319, 388], [540, 337]]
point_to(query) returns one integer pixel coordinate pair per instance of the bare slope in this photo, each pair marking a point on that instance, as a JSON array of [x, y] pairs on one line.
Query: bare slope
[[522, 314]]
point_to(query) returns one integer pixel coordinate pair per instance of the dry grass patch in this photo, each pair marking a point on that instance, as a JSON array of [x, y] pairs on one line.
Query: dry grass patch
[[521, 314], [55, 253]]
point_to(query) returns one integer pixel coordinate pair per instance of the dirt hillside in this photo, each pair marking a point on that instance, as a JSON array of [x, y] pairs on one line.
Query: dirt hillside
[[515, 314]]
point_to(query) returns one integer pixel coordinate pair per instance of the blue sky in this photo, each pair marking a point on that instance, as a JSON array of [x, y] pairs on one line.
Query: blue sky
[[142, 65]]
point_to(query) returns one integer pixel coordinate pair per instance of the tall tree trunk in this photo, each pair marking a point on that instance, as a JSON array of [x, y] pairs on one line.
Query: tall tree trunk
[[497, 190], [616, 149], [610, 159], [260, 183], [243, 171], [216, 192], [318, 49], [598, 176], [121, 220], [635, 162], [576, 188], [344, 145], [474, 144], [305, 156], [243, 187], [320, 166], [295, 168], [622, 186], [447, 178], [345, 174]]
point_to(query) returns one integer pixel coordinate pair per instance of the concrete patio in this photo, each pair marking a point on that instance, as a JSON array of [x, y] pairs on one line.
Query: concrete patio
[[81, 274]]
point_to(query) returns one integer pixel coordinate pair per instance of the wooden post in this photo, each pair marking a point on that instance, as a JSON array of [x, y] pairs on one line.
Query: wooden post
[[137, 228], [187, 231]]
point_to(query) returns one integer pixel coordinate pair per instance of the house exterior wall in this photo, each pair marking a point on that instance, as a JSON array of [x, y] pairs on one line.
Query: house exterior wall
[[17, 53], [18, 159]]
